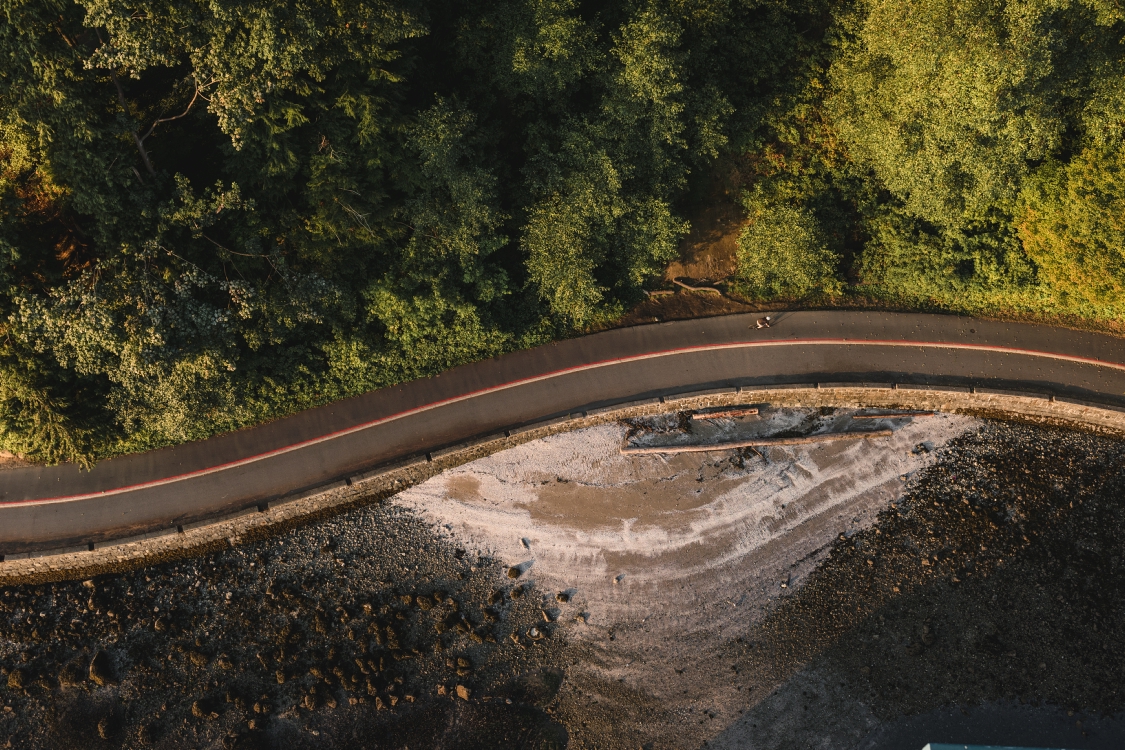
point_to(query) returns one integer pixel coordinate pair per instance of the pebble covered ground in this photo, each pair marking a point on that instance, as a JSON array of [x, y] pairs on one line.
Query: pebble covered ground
[[999, 575], [354, 632]]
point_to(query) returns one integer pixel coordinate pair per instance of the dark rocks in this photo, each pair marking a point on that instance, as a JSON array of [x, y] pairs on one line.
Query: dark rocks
[[146, 734], [70, 676], [376, 646], [517, 571], [105, 729], [205, 708], [101, 670]]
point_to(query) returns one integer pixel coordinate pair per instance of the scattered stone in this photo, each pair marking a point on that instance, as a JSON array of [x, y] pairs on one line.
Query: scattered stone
[[565, 596], [462, 692], [146, 734], [104, 728], [101, 669], [518, 570], [70, 676]]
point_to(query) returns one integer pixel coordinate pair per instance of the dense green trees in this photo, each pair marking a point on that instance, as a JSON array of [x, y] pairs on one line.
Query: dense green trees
[[783, 253], [1073, 227], [958, 109], [214, 213]]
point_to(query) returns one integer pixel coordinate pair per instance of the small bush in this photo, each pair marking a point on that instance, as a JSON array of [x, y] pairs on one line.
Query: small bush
[[783, 253]]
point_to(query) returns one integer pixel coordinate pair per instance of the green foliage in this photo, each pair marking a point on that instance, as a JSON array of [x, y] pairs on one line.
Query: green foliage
[[34, 421], [978, 270], [1073, 228], [783, 253], [958, 155], [215, 213], [258, 61], [951, 102]]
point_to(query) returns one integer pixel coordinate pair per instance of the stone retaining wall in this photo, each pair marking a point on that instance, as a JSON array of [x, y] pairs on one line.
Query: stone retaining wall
[[267, 519]]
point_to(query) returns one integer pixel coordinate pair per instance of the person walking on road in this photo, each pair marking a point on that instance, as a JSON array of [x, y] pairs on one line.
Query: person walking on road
[[764, 322]]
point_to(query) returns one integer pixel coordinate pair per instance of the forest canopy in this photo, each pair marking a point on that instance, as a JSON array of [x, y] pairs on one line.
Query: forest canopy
[[216, 213]]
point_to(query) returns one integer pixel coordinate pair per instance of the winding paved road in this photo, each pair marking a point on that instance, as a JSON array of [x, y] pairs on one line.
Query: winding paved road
[[52, 507]]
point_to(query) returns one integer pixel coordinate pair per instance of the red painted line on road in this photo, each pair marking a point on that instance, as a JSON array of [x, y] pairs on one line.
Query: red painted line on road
[[547, 376]]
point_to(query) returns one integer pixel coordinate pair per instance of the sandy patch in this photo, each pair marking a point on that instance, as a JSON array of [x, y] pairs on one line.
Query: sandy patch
[[670, 555], [9, 460], [710, 249]]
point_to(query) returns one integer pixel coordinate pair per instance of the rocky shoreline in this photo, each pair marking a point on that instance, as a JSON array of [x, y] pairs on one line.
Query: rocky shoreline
[[367, 620]]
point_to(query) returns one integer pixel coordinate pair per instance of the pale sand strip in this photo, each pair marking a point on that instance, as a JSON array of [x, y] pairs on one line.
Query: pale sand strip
[[724, 414], [894, 415]]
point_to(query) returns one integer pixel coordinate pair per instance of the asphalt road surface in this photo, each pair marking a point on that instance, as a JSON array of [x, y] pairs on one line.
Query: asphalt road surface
[[57, 506]]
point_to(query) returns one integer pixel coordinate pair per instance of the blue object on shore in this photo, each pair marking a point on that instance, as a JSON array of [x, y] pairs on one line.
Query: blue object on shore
[[935, 746]]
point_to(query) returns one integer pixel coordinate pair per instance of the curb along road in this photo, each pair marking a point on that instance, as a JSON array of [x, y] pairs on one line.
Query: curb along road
[[53, 507]]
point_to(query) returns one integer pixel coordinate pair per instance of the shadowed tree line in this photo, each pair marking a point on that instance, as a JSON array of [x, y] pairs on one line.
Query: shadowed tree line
[[212, 214]]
